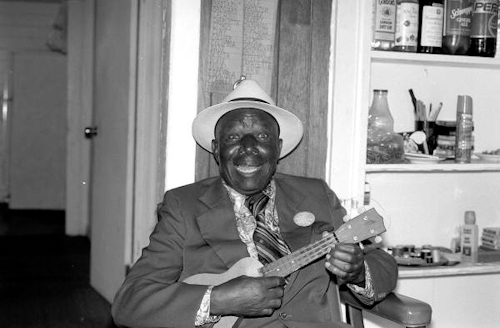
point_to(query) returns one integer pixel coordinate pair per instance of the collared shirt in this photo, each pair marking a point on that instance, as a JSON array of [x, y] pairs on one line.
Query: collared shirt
[[245, 221]]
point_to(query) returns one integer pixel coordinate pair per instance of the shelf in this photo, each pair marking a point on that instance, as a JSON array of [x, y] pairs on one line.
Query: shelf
[[460, 269], [445, 166], [395, 57]]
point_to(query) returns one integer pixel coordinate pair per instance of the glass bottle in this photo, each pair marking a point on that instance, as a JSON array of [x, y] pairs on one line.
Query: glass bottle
[[430, 34], [456, 26], [383, 24], [407, 25], [483, 35], [379, 116], [383, 144]]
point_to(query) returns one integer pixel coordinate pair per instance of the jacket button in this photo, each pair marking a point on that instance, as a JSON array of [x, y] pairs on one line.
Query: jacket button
[[283, 315]]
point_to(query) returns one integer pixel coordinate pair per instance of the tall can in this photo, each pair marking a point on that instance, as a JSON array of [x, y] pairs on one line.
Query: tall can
[[456, 26], [483, 36], [465, 124], [383, 24], [407, 25]]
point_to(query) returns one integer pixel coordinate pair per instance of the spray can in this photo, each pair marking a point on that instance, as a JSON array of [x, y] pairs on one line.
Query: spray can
[[463, 141]]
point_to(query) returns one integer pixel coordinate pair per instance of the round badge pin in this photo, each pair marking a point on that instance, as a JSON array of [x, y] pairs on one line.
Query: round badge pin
[[304, 219]]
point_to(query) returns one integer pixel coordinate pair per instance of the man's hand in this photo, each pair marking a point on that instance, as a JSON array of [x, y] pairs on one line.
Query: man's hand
[[346, 261], [246, 296]]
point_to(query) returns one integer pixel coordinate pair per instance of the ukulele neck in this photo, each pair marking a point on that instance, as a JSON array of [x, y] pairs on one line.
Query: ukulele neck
[[288, 264]]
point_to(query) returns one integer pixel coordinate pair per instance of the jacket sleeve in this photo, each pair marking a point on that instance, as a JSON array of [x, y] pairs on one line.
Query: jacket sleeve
[[152, 295], [383, 267]]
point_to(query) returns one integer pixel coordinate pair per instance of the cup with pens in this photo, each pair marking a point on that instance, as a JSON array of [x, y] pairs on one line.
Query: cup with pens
[[425, 121]]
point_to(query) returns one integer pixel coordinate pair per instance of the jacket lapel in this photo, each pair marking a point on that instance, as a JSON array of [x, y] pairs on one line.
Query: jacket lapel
[[218, 225], [288, 203]]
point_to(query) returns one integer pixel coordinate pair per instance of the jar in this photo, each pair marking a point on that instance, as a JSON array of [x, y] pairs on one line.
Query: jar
[[383, 144]]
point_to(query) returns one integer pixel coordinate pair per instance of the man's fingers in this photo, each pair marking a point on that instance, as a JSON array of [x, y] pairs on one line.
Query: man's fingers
[[272, 282]]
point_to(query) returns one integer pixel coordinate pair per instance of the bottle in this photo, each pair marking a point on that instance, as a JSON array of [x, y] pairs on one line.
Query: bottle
[[383, 144], [483, 35], [383, 24], [431, 26], [469, 237], [463, 138], [379, 116], [406, 26], [456, 26]]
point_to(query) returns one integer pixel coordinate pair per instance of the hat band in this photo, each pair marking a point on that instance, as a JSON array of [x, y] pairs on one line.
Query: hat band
[[249, 99]]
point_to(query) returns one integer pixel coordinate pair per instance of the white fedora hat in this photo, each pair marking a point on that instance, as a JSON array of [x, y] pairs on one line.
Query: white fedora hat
[[248, 94]]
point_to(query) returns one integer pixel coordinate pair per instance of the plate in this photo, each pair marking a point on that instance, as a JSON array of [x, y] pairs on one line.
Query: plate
[[488, 157], [423, 159]]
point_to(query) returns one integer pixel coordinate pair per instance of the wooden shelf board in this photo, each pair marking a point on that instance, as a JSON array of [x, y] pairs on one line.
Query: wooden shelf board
[[445, 166], [394, 57]]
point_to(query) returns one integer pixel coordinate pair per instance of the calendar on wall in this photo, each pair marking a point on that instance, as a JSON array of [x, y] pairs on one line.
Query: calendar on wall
[[242, 42]]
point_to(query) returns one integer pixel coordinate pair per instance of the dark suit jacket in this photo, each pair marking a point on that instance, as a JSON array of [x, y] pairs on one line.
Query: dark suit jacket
[[196, 233]]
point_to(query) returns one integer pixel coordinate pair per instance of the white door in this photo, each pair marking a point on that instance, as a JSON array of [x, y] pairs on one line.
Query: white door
[[113, 146]]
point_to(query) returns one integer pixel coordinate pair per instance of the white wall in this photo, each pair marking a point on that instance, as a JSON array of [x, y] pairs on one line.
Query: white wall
[[426, 208], [183, 93]]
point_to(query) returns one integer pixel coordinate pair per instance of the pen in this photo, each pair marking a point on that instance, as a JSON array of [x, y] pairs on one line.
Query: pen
[[413, 99]]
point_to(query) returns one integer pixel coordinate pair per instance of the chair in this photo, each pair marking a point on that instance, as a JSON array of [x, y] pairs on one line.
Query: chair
[[404, 310]]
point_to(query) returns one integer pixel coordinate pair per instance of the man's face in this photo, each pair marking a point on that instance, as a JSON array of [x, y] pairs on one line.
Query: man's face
[[247, 149]]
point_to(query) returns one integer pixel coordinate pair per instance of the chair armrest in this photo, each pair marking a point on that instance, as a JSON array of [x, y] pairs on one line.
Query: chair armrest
[[404, 310]]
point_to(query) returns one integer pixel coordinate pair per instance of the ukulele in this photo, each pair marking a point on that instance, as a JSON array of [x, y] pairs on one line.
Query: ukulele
[[362, 227]]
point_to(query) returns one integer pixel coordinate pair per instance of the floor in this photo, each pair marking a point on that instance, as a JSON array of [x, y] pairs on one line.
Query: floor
[[44, 275]]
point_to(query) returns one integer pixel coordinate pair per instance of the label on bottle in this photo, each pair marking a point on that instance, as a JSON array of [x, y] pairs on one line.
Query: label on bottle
[[458, 17], [484, 19], [384, 20], [467, 250], [432, 26], [407, 24]]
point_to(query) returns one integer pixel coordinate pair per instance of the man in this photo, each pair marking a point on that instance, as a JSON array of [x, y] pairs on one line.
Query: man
[[249, 211]]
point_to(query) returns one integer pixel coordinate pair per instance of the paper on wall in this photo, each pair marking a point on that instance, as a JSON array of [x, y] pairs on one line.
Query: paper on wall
[[242, 35]]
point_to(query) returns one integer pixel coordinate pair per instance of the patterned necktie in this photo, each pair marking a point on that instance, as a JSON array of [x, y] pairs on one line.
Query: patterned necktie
[[270, 245]]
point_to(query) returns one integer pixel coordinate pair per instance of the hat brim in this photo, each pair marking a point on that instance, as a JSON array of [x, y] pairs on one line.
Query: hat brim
[[291, 129]]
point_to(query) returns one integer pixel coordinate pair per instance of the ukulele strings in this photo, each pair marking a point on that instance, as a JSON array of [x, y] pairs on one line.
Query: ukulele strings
[[303, 255]]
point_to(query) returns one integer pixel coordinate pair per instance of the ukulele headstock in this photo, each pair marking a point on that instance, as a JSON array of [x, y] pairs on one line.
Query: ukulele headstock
[[367, 224]]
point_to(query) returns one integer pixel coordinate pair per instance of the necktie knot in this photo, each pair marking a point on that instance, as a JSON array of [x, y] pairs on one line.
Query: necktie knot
[[256, 204]]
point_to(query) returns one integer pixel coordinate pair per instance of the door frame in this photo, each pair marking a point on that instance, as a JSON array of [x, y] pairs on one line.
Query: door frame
[[151, 116]]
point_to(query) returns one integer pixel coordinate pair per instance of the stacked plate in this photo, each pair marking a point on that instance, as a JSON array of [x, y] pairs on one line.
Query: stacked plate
[[417, 158]]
